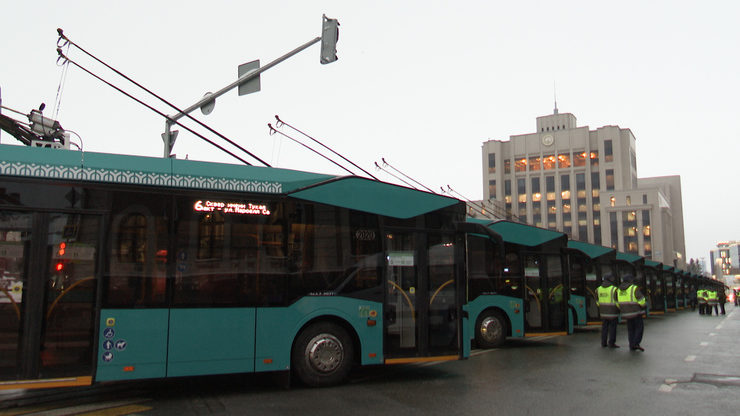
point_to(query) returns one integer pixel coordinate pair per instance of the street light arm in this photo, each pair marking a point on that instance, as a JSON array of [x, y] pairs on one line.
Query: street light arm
[[243, 79]]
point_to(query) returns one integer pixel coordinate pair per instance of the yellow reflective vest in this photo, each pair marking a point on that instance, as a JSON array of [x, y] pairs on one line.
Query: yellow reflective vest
[[629, 304], [607, 302]]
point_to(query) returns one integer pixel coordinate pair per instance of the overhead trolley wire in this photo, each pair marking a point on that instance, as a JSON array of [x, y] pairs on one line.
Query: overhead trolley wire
[[407, 176], [279, 123], [62, 56], [273, 130], [380, 168], [62, 36]]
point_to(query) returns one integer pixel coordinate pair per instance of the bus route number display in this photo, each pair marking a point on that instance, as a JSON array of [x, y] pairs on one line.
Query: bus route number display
[[238, 208]]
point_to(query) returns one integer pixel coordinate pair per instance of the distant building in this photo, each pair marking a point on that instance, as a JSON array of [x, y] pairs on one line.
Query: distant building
[[584, 182], [726, 262]]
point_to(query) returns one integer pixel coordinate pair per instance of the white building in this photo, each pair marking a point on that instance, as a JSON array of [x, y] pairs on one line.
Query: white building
[[584, 182]]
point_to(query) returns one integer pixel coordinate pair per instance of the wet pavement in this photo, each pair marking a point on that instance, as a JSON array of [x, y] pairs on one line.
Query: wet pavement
[[691, 366]]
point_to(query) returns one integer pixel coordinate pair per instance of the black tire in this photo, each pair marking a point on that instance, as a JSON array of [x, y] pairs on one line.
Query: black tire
[[322, 355], [490, 329]]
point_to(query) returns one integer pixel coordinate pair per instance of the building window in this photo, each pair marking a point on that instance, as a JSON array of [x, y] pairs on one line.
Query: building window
[[612, 201], [629, 224], [644, 198], [507, 195], [520, 165], [507, 166], [609, 179], [629, 200], [564, 160], [491, 163], [536, 192], [608, 151], [579, 159], [548, 162], [550, 187], [565, 187], [521, 190], [613, 225], [492, 189], [594, 156], [534, 163], [647, 243]]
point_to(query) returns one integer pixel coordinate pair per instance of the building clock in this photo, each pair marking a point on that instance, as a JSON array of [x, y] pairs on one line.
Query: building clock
[[547, 140]]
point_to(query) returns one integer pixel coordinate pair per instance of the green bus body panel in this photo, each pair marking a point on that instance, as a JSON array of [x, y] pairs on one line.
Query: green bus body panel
[[522, 234], [375, 197], [210, 341], [140, 170], [578, 304], [591, 250], [507, 304], [277, 327], [144, 354], [653, 264], [631, 258]]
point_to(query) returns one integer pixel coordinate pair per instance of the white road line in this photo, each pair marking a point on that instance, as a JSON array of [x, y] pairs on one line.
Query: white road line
[[666, 388], [718, 326], [704, 344], [690, 358], [712, 334]]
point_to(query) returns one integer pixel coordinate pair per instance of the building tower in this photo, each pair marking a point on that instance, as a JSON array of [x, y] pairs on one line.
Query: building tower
[[584, 182]]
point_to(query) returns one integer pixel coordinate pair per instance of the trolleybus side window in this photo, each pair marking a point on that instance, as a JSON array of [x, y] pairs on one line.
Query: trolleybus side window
[[136, 273]]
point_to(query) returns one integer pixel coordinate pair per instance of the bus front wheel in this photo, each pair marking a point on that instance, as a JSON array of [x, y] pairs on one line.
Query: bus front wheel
[[322, 354], [490, 330]]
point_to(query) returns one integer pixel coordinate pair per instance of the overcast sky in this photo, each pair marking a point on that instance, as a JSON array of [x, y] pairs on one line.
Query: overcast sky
[[419, 83]]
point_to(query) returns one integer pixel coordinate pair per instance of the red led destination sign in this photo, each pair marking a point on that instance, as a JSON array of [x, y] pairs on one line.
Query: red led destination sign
[[231, 207]]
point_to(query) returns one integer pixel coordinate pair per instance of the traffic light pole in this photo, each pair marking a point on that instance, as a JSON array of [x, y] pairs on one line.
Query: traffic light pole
[[169, 136]]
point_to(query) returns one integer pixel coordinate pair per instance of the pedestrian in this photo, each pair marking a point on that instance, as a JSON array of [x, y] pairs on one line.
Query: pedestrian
[[692, 300], [631, 303], [609, 311], [702, 300], [712, 302], [722, 300], [737, 292]]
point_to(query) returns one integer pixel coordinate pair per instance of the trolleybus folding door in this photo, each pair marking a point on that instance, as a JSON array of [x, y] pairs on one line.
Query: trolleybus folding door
[[421, 304], [47, 297], [545, 296]]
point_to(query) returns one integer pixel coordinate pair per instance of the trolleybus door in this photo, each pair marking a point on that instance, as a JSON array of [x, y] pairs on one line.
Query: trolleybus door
[[48, 263], [421, 307], [545, 295]]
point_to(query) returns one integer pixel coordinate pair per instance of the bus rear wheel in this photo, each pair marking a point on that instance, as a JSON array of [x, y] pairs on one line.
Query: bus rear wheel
[[322, 355], [490, 330]]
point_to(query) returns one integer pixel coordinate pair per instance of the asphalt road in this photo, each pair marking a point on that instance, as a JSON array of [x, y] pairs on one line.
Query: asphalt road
[[691, 366]]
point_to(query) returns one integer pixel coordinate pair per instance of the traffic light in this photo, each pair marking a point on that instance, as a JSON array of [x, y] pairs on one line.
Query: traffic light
[[329, 38]]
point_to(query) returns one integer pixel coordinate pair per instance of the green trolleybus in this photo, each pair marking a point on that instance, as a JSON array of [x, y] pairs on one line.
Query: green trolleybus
[[517, 283], [120, 267]]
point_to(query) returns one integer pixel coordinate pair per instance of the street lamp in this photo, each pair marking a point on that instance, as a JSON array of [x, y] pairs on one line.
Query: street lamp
[[249, 81]]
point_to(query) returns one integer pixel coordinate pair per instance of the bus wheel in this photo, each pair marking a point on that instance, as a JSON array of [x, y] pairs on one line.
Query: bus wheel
[[490, 330], [322, 354]]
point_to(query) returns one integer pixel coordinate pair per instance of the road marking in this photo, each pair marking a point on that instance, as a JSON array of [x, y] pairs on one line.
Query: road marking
[[718, 326], [666, 388], [690, 358], [115, 408], [704, 344], [711, 334], [479, 352]]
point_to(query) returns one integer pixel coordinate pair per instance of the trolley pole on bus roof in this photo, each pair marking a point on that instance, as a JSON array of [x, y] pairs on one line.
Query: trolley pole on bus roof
[[249, 78]]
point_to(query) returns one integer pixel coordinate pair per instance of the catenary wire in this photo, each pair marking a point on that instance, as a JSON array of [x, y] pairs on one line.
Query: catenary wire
[[67, 40]]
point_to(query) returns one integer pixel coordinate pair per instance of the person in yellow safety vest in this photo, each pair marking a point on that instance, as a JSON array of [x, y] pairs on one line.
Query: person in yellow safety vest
[[712, 301], [631, 302], [701, 298], [609, 311]]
